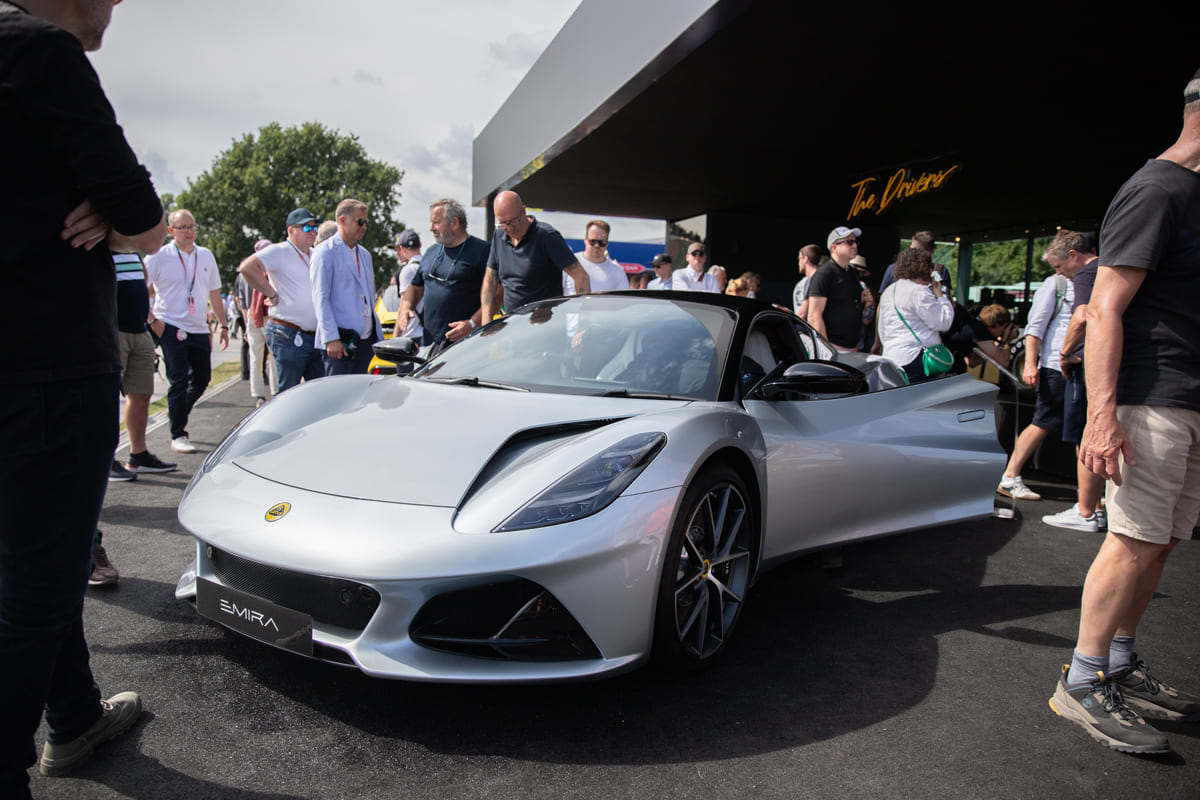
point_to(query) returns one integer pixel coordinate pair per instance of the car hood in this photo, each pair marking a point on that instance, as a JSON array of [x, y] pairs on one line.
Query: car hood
[[406, 440]]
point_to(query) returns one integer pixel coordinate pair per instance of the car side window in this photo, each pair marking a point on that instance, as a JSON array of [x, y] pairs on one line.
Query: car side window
[[771, 347]]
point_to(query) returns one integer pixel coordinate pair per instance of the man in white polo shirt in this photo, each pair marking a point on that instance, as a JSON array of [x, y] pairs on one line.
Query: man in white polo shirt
[[281, 273], [184, 281], [693, 278]]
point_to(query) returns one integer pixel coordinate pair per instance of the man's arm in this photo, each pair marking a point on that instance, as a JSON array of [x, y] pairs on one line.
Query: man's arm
[[489, 302], [583, 284], [816, 314], [1104, 438], [218, 307], [408, 305], [1033, 351], [84, 227], [254, 273], [1076, 330]]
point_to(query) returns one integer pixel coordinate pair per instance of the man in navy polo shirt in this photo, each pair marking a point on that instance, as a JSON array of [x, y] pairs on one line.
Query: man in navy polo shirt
[[527, 259]]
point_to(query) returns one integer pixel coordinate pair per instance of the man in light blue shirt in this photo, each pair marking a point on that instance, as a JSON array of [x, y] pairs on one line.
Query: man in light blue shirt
[[343, 291]]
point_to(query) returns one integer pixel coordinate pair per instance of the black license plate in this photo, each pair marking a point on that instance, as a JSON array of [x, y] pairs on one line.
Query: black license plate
[[255, 617]]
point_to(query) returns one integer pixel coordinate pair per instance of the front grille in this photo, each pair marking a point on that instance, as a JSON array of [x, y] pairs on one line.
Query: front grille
[[331, 601]]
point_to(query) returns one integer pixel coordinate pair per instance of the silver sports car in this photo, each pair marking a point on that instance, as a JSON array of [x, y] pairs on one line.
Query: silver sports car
[[586, 483]]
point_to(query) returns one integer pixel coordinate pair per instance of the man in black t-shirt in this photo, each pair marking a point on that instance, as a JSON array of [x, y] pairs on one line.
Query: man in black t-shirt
[[835, 294], [527, 260], [1143, 434], [58, 430]]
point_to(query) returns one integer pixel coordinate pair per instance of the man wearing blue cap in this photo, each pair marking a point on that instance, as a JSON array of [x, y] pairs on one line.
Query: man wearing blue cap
[[281, 272]]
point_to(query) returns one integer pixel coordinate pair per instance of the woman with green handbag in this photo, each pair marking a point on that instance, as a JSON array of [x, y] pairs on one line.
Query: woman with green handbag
[[913, 312]]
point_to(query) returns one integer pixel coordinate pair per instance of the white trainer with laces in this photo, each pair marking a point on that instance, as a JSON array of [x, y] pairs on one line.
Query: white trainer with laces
[[1016, 489], [1073, 520], [182, 445]]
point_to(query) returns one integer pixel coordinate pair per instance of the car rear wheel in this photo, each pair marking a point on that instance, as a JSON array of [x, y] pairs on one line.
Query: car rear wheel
[[706, 572]]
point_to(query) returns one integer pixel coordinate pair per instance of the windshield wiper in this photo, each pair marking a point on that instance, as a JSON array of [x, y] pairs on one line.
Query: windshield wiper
[[470, 380], [642, 395]]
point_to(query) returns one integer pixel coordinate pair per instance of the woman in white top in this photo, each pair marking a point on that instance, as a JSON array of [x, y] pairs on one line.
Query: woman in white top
[[915, 298]]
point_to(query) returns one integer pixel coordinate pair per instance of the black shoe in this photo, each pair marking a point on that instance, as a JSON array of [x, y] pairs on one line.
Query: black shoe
[[118, 473], [148, 462]]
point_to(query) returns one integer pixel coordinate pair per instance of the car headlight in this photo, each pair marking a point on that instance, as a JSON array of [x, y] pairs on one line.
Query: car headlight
[[589, 487]]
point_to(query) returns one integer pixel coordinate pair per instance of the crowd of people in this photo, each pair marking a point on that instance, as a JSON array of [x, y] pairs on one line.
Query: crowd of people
[[1122, 313]]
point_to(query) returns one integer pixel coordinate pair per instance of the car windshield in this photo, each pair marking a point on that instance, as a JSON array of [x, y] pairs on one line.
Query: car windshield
[[596, 344]]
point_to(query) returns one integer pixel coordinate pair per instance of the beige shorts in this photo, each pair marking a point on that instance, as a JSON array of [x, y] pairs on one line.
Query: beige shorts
[[1159, 497], [137, 362]]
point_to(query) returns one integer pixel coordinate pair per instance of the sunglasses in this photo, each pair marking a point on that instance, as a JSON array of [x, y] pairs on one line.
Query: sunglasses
[[848, 241], [697, 253], [362, 223], [309, 228], [598, 242]]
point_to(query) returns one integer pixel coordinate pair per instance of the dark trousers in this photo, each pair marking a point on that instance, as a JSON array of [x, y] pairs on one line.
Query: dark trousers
[[189, 370], [48, 520], [355, 363]]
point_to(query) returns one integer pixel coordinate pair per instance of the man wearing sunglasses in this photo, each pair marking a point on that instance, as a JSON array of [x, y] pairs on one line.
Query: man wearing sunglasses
[[835, 296], [604, 274], [693, 278], [526, 259], [281, 273], [343, 294]]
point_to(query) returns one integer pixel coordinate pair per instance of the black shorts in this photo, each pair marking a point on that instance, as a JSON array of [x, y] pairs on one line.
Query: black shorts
[[1074, 406], [1051, 390]]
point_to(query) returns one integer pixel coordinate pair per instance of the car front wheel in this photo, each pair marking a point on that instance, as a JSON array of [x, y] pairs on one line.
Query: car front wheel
[[706, 572]]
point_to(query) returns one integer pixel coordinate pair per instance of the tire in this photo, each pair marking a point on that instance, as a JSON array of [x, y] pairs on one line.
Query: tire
[[707, 571]]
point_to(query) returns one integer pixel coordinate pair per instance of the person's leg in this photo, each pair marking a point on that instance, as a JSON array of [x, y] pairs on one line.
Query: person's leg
[[255, 343], [45, 558], [175, 361], [199, 353], [1118, 587], [137, 416], [1027, 444], [137, 380]]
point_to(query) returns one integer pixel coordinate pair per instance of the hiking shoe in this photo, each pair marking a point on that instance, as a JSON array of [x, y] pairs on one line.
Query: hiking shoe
[[120, 712], [118, 473], [182, 445], [1100, 708], [1072, 519], [103, 572], [148, 462], [1153, 698], [1016, 489]]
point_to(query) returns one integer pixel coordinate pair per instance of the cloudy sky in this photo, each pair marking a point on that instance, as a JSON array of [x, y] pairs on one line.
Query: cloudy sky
[[414, 81]]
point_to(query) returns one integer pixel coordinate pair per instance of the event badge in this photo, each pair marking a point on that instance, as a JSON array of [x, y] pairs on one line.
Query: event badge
[[299, 340], [181, 334], [191, 304]]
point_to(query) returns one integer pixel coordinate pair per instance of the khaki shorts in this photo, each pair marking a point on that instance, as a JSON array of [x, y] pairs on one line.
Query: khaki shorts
[[137, 362], [1159, 497]]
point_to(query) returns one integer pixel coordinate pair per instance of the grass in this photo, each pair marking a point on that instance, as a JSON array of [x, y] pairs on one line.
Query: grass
[[220, 374]]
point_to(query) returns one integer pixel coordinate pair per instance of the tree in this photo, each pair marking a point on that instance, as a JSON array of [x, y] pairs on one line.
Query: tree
[[251, 188]]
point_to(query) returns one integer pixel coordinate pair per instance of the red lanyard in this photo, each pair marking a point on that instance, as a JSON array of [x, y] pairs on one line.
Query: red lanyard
[[195, 270]]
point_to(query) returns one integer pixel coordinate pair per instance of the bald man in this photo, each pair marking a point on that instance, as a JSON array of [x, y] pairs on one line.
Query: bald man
[[527, 259]]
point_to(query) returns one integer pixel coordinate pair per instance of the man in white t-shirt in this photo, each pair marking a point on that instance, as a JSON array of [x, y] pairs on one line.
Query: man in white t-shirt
[[184, 282], [807, 260], [693, 278], [605, 274], [281, 273]]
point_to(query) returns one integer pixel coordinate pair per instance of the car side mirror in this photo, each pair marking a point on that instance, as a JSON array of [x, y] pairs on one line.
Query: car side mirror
[[814, 380], [399, 350]]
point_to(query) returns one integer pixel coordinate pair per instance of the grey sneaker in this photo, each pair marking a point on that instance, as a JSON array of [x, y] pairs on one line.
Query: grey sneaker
[[1073, 520], [1016, 489], [1153, 698], [1100, 709], [120, 712]]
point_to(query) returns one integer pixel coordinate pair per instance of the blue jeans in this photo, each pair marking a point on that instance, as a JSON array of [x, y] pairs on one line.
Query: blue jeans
[[293, 362], [47, 523], [355, 363], [189, 370]]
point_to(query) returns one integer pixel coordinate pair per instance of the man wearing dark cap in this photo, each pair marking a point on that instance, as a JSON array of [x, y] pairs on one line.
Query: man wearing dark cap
[[281, 273], [408, 251], [662, 270], [58, 429], [1142, 355], [693, 278]]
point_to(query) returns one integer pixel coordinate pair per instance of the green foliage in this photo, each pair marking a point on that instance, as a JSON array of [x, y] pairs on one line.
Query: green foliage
[[251, 188], [1003, 263]]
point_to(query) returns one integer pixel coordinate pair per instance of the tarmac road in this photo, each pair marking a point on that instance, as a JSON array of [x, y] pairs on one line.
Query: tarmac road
[[921, 668]]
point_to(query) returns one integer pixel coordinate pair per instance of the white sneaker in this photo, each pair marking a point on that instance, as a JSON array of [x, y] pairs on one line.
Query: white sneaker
[[1016, 488], [182, 445], [1072, 519]]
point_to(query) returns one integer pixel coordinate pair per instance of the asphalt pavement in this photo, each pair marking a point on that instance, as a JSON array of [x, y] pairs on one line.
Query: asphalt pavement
[[919, 668]]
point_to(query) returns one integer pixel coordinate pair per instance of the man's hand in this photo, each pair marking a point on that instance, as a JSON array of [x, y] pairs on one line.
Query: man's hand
[[84, 227], [335, 349], [162, 326], [1066, 362], [1104, 439], [457, 330], [403, 317], [1030, 373], [223, 336]]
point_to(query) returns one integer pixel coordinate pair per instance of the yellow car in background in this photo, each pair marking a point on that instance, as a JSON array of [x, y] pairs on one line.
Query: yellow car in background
[[388, 320]]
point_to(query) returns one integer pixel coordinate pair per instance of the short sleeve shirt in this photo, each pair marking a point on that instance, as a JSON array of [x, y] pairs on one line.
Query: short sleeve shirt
[[1153, 223], [843, 307], [532, 269], [182, 283], [291, 277], [452, 279]]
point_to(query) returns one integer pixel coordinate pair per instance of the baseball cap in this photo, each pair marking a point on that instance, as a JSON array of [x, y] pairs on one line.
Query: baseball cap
[[408, 239], [839, 233], [694, 246], [661, 258], [301, 216]]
